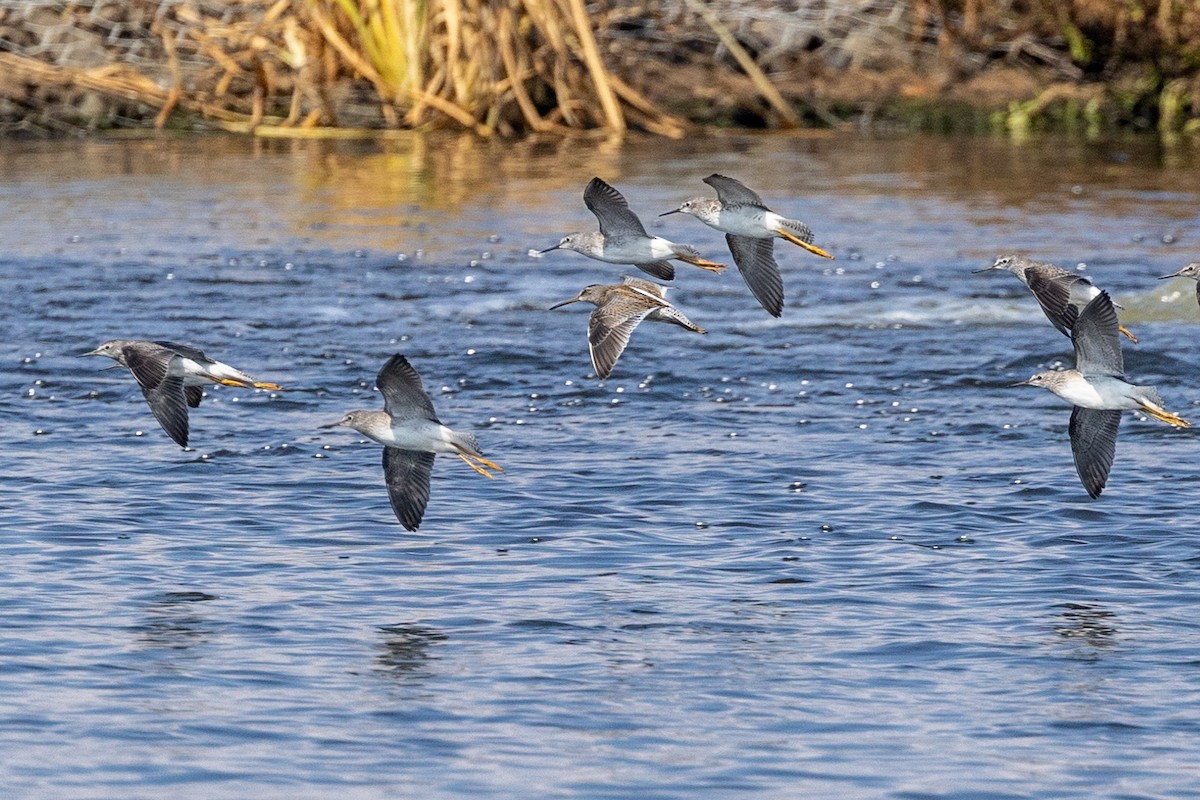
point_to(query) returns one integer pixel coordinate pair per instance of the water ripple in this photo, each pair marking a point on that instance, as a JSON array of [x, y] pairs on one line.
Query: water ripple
[[828, 555]]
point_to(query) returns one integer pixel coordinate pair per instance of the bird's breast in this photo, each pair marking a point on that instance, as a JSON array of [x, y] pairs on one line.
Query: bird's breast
[[636, 250], [748, 221], [1100, 392], [419, 434]]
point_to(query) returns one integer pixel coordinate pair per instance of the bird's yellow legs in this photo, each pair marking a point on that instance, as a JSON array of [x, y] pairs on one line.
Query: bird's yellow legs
[[1162, 415], [243, 384], [471, 458], [702, 263], [812, 248], [1128, 335]]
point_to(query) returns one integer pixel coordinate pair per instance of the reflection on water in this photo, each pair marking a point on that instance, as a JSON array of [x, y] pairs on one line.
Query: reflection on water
[[1093, 629], [406, 649], [406, 180], [174, 622]]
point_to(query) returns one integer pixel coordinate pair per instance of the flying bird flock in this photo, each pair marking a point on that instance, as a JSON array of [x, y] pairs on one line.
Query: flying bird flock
[[171, 376], [1096, 386]]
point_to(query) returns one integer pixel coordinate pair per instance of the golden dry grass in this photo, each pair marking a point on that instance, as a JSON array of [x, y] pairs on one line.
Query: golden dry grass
[[496, 68], [510, 67]]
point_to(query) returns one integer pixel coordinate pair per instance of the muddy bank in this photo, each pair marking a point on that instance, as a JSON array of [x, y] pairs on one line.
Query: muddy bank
[[556, 65]]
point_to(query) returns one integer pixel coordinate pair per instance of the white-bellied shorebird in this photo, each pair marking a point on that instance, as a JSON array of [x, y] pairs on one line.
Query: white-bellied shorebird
[[411, 435], [622, 239], [750, 230], [1098, 390], [170, 376], [1062, 294]]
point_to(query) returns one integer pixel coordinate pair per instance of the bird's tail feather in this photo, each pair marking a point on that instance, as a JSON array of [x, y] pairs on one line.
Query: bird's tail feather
[[799, 229]]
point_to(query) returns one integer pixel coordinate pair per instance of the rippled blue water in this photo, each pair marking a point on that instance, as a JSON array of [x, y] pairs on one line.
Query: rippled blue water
[[832, 555]]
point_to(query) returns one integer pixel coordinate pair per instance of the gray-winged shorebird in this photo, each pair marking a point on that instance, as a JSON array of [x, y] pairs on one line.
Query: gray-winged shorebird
[[1062, 294], [1192, 271], [622, 239], [411, 435], [1098, 390], [619, 309], [170, 375], [750, 230]]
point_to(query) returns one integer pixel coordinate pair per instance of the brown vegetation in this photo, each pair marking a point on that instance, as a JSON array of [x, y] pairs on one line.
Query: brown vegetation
[[508, 67], [491, 67]]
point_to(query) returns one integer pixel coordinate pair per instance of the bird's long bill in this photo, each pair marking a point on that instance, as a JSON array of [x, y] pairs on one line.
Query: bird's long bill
[[332, 424], [113, 365], [672, 211], [548, 249], [985, 269], [1019, 383], [574, 299], [1161, 278]]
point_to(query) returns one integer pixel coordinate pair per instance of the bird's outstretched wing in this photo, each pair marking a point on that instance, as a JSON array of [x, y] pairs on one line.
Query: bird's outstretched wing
[[609, 329], [755, 259], [186, 350], [611, 210], [1093, 444], [733, 192], [1095, 336], [404, 395], [406, 473], [1054, 296], [165, 395]]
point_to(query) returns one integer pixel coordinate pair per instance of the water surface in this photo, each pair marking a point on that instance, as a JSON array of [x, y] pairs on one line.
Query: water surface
[[831, 555]]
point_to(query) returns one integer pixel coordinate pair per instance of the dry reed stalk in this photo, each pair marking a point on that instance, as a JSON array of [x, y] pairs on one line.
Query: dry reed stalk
[[504, 64], [176, 91], [553, 68], [111, 80], [348, 134], [748, 65], [363, 67], [516, 80], [498, 60], [383, 39], [591, 57], [653, 120], [491, 66]]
